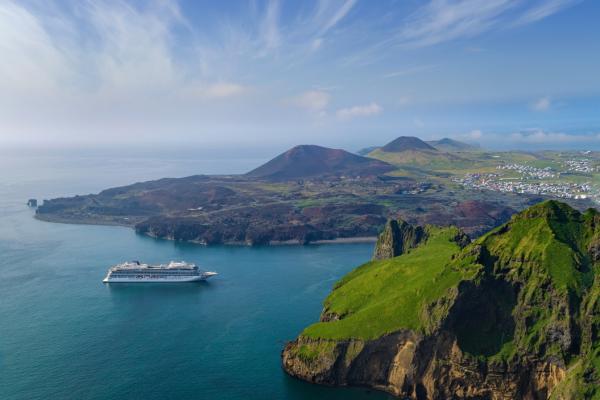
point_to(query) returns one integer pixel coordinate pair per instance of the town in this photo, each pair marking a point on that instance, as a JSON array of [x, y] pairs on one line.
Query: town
[[532, 180], [582, 166], [531, 172]]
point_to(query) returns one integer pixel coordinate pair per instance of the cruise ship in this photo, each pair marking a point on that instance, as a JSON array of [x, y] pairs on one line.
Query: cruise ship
[[174, 271]]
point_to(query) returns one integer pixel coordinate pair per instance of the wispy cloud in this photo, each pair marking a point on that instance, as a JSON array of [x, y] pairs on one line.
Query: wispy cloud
[[133, 47], [135, 67], [475, 134], [536, 136], [332, 19], [313, 100], [542, 10], [32, 62], [441, 21], [366, 110], [404, 100], [539, 136], [224, 89], [408, 71], [542, 104], [270, 26]]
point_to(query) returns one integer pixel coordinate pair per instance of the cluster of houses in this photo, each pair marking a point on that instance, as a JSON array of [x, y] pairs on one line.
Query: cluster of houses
[[566, 190], [583, 165], [530, 172]]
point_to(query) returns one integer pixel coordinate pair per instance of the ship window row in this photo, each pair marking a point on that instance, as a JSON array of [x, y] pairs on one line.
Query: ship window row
[[153, 273], [130, 275]]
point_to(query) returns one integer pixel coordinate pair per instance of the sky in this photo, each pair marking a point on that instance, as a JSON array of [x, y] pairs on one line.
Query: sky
[[340, 73]]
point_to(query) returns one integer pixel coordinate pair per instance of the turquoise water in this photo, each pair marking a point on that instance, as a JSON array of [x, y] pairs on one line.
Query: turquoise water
[[65, 335]]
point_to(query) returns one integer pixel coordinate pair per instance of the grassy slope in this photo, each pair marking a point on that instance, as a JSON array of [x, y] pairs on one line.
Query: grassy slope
[[383, 296], [551, 237], [430, 159], [545, 245], [456, 163], [544, 251]]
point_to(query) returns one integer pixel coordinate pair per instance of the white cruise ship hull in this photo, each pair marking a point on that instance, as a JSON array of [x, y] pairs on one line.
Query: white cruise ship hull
[[170, 279], [174, 272]]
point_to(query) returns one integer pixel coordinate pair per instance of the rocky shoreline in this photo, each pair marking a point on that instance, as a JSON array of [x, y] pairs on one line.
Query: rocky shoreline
[[411, 365], [109, 222], [81, 221]]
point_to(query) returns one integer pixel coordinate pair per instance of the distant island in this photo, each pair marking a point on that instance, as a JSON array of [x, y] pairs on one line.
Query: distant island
[[512, 315], [316, 194]]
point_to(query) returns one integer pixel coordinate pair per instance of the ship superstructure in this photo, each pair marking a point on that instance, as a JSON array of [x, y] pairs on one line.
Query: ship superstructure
[[175, 271]]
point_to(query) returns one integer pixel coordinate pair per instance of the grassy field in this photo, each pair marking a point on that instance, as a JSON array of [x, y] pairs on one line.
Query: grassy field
[[544, 246], [383, 296]]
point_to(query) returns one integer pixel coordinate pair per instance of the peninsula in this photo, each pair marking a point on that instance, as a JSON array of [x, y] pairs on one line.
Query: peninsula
[[316, 194]]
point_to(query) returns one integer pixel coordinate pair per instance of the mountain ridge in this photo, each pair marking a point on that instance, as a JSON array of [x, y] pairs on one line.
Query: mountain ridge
[[307, 161], [451, 145], [404, 143]]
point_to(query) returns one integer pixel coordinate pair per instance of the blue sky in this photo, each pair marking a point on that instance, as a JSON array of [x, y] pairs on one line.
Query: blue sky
[[347, 73]]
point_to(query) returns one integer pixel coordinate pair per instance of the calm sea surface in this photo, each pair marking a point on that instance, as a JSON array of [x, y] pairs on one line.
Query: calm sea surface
[[66, 335]]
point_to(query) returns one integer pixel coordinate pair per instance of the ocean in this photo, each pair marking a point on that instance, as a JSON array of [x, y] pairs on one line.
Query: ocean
[[66, 335]]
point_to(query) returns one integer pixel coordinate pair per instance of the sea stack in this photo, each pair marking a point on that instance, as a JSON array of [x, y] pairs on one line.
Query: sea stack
[[32, 203]]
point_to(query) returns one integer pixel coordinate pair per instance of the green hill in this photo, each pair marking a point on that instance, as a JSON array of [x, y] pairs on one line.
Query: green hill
[[408, 150], [451, 145], [515, 314], [404, 143]]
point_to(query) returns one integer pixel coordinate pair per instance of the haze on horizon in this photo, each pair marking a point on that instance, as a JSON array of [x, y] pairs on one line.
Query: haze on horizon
[[348, 73]]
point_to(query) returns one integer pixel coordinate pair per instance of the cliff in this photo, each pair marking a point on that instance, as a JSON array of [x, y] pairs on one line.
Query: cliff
[[513, 315], [398, 237]]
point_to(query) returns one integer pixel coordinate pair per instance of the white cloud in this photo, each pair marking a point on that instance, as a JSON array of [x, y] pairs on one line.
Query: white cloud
[[325, 16], [404, 100], [270, 26], [536, 137], [442, 20], [134, 51], [110, 69], [542, 104], [337, 15], [475, 134], [316, 44], [359, 111], [445, 20], [543, 9], [408, 71], [32, 63], [313, 100], [539, 136], [224, 89]]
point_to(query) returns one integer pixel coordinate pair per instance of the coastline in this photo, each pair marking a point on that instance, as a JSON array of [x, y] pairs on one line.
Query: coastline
[[74, 221], [357, 239], [70, 221]]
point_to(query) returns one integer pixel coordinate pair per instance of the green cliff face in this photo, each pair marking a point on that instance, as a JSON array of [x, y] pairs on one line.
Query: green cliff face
[[397, 238], [514, 314]]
